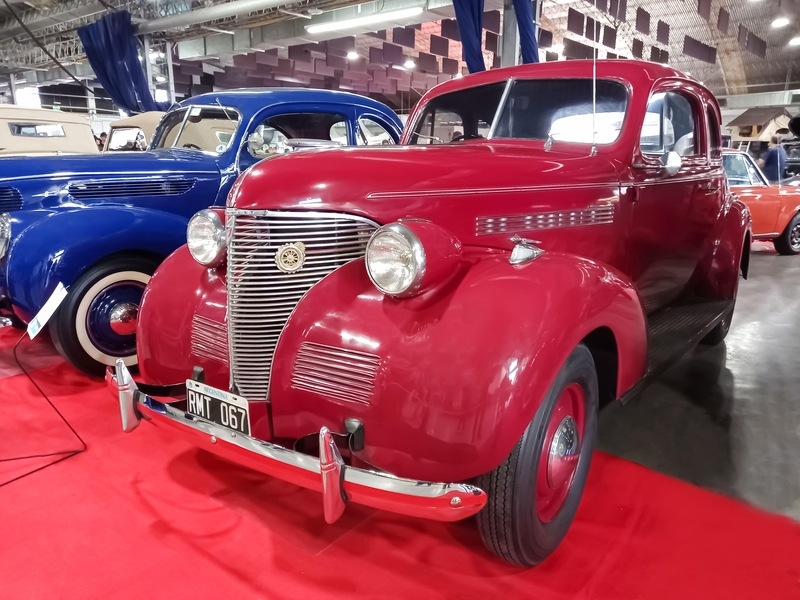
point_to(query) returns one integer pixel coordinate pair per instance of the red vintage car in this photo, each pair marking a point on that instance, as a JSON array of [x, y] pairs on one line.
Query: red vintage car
[[430, 329], [775, 209]]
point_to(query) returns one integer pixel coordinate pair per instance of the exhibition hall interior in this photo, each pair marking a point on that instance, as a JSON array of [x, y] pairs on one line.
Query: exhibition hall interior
[[400, 299]]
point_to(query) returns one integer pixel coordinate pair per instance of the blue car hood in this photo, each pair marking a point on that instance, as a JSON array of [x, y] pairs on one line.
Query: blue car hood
[[15, 168]]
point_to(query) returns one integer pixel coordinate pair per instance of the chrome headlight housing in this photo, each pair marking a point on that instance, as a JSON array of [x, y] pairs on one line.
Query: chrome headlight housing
[[5, 233], [207, 239], [395, 260]]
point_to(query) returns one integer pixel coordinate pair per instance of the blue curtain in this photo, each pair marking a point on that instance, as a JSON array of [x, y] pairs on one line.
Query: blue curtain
[[111, 48], [469, 16]]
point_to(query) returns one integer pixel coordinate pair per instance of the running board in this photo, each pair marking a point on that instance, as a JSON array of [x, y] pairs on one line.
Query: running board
[[674, 331]]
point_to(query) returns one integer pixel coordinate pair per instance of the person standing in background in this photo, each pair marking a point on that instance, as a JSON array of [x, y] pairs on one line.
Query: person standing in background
[[773, 162]]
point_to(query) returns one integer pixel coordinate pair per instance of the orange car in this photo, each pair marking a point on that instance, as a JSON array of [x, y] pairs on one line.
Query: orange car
[[774, 208]]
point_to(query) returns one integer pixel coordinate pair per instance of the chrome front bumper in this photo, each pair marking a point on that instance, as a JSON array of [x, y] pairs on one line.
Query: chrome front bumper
[[338, 483]]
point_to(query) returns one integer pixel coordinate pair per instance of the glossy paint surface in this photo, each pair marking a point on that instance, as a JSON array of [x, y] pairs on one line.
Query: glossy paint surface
[[57, 235], [771, 206], [465, 365]]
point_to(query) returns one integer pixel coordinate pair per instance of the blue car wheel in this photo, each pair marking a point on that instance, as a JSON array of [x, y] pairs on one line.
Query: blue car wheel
[[96, 324]]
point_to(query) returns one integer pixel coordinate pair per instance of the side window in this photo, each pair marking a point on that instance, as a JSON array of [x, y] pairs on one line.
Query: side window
[[271, 136], [714, 139], [440, 127], [669, 126], [371, 133]]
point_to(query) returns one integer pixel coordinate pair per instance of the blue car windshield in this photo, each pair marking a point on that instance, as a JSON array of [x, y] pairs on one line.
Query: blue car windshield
[[210, 129]]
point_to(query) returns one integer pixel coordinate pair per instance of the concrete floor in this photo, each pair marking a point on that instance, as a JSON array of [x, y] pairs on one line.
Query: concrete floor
[[727, 418]]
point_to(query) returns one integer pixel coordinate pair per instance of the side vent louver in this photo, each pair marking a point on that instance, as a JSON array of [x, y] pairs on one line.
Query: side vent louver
[[130, 189], [10, 199]]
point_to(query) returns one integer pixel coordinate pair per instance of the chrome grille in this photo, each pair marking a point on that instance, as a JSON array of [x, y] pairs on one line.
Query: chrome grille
[[600, 214], [210, 339], [261, 297], [131, 188], [10, 199], [335, 372]]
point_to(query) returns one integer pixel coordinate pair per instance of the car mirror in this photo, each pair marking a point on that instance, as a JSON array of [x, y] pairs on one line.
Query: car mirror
[[255, 146], [671, 162]]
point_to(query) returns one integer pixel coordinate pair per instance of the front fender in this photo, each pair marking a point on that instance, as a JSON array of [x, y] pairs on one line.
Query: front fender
[[64, 243], [460, 373]]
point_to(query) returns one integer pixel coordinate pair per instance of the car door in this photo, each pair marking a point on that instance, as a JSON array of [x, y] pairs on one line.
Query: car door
[[663, 242], [750, 185]]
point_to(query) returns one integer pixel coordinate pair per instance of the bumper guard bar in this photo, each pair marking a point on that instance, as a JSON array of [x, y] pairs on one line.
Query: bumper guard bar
[[338, 482]]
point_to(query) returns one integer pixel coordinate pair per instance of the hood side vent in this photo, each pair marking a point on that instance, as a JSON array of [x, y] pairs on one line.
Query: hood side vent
[[98, 190], [10, 199]]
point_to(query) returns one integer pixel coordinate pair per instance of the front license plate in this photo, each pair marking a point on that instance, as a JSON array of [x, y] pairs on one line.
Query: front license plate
[[222, 408]]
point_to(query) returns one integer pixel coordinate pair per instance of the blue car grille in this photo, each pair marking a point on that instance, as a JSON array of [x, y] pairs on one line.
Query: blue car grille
[[130, 189], [10, 199]]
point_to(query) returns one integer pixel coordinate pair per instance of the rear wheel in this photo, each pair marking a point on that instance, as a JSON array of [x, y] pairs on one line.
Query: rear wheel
[[789, 241], [96, 324], [534, 494]]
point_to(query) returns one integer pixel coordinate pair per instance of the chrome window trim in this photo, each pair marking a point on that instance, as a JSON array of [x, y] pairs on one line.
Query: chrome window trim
[[500, 106], [752, 163]]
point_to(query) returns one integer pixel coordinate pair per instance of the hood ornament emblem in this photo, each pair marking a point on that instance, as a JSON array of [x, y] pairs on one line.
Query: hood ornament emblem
[[291, 257]]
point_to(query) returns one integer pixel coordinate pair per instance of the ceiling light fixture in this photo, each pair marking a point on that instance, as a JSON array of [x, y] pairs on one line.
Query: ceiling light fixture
[[780, 22], [380, 17], [161, 79], [794, 41], [409, 64], [352, 55]]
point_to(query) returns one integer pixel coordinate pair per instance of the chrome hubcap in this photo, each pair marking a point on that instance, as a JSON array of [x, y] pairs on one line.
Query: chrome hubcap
[[564, 453], [124, 318], [794, 237]]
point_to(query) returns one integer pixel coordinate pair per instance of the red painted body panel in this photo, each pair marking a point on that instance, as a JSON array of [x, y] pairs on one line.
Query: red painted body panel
[[464, 365], [463, 369]]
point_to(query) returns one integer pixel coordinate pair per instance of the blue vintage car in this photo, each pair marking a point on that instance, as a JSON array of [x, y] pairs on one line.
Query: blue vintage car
[[101, 224]]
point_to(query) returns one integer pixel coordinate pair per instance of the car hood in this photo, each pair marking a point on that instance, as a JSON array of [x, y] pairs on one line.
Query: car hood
[[16, 168], [451, 185]]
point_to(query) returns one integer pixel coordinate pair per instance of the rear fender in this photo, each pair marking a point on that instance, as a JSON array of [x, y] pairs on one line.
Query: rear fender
[[730, 255], [61, 246], [462, 369]]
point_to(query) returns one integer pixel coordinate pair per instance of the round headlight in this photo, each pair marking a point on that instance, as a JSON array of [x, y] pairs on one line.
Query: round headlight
[[395, 260], [5, 233], [205, 237]]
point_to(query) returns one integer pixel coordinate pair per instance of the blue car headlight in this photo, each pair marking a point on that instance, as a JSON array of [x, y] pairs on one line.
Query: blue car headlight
[[5, 233]]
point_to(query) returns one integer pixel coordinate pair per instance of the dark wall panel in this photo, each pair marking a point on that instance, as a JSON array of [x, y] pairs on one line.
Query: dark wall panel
[[724, 20], [662, 33], [642, 21], [637, 48], [704, 9], [404, 36], [491, 21], [545, 38], [573, 49], [756, 45], [491, 41], [575, 21], [440, 45], [593, 29], [699, 50], [450, 66], [392, 54], [742, 37], [609, 37], [450, 30]]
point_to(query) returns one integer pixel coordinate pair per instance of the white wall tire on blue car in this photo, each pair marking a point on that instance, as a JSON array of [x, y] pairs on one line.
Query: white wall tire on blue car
[[96, 324]]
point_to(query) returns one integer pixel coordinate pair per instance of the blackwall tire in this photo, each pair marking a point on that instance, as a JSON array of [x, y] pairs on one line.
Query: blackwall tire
[[788, 242], [93, 328], [529, 511]]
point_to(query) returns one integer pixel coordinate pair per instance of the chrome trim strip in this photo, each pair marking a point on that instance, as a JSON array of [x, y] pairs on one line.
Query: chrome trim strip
[[495, 190], [500, 106], [602, 214], [382, 482]]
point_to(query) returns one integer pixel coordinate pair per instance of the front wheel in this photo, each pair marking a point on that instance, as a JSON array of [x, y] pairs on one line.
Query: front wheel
[[96, 324], [789, 241], [534, 494]]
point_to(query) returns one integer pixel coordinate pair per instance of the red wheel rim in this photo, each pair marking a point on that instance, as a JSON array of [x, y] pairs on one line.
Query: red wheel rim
[[560, 452]]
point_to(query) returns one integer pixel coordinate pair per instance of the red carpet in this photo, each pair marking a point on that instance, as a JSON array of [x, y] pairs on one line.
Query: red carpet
[[143, 516]]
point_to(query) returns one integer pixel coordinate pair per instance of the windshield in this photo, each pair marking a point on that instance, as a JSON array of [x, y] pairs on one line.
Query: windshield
[[207, 128], [534, 109]]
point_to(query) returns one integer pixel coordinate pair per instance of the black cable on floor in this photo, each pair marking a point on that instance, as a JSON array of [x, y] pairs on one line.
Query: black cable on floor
[[66, 453]]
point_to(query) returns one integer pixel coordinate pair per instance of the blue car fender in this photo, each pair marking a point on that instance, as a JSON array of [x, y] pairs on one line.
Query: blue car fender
[[61, 246]]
